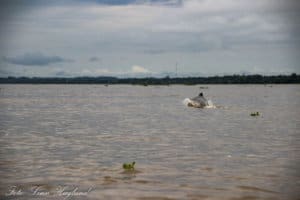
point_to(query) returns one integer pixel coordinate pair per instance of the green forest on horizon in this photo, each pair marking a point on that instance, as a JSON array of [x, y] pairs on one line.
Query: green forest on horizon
[[228, 79]]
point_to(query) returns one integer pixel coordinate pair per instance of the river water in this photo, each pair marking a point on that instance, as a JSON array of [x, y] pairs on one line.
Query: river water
[[70, 142]]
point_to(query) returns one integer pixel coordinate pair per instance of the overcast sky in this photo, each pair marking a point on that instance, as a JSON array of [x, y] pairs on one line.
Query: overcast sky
[[149, 37]]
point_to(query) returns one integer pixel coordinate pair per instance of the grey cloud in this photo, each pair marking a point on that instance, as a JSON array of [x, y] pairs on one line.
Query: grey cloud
[[128, 2], [101, 2], [196, 31], [165, 42], [154, 51], [94, 59], [62, 74], [4, 73], [34, 59]]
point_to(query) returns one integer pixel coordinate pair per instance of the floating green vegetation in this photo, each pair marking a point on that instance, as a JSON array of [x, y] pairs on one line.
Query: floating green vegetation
[[254, 114], [129, 166]]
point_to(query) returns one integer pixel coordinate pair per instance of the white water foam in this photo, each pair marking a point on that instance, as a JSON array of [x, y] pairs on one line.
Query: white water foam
[[186, 101], [210, 104], [189, 102]]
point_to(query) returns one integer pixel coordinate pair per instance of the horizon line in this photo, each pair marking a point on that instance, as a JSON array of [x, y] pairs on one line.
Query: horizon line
[[156, 77]]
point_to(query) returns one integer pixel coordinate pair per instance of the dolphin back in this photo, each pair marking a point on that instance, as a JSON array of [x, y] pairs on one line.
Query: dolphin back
[[201, 101]]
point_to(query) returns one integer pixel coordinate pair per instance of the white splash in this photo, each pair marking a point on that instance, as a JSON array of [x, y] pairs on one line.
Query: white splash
[[186, 101], [191, 103], [210, 104]]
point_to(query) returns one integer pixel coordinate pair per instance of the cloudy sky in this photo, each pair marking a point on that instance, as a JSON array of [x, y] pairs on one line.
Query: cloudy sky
[[148, 37]]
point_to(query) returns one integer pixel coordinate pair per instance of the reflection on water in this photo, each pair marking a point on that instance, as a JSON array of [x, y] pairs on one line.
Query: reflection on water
[[75, 138]]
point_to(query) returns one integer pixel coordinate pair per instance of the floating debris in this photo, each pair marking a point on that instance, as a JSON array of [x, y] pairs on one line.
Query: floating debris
[[203, 87], [255, 114], [129, 166]]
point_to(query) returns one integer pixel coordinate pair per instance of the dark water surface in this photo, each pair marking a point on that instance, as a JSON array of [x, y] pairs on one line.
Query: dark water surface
[[64, 138]]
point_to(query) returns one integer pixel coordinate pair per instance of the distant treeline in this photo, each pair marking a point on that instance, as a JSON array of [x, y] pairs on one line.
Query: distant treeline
[[231, 79]]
